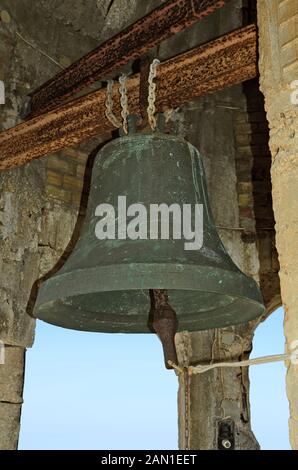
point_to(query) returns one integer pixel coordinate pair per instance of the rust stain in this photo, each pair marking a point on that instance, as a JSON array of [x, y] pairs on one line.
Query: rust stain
[[226, 61], [130, 44]]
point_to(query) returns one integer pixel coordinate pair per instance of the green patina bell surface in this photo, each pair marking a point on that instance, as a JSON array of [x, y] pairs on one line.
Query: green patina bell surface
[[104, 284]]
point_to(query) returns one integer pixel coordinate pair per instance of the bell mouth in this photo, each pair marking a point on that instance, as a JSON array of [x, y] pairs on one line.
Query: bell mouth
[[73, 312], [201, 299]]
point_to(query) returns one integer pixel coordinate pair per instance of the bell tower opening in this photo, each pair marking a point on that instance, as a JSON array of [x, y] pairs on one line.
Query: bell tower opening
[[97, 391], [269, 405]]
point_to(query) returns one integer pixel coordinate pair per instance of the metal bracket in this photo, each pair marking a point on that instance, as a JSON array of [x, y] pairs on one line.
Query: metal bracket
[[226, 435]]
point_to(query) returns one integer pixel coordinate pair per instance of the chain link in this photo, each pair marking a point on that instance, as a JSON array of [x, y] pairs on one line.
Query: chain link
[[109, 105], [124, 101]]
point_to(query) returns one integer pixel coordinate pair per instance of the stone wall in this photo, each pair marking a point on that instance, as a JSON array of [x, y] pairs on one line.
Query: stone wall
[[43, 203], [279, 68]]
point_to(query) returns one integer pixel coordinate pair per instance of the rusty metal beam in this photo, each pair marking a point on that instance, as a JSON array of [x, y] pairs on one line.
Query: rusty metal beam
[[226, 61], [131, 43]]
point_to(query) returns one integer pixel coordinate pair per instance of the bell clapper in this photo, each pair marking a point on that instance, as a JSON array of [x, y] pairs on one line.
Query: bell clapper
[[165, 324]]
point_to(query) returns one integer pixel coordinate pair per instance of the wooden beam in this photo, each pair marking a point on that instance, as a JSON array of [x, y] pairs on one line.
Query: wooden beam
[[226, 61], [131, 43]]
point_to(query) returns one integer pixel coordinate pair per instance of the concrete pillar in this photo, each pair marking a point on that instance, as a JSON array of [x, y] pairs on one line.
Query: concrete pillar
[[11, 392], [220, 398], [20, 206], [278, 45]]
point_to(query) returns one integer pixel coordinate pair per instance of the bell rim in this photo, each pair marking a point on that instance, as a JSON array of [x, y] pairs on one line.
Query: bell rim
[[67, 316], [246, 294], [185, 277]]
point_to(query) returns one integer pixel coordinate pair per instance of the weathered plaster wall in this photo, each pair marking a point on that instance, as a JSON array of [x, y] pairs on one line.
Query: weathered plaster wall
[[279, 68], [231, 131], [220, 394], [36, 223], [42, 204]]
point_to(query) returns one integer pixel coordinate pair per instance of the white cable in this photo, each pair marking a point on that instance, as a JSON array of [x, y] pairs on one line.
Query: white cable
[[200, 369]]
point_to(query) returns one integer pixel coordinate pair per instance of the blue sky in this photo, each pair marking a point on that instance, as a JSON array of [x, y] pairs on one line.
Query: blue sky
[[100, 391], [269, 405]]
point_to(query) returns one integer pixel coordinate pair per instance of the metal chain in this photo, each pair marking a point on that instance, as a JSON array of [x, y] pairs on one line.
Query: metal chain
[[124, 101], [109, 105], [186, 409], [152, 94]]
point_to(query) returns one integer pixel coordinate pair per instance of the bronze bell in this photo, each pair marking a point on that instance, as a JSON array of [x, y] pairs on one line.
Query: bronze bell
[[104, 284]]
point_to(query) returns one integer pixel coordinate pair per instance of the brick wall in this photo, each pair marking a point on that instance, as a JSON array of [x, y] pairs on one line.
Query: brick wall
[[253, 162], [65, 173]]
